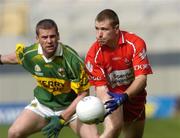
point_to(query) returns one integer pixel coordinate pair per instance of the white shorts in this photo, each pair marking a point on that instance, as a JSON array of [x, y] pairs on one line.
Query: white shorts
[[44, 111]]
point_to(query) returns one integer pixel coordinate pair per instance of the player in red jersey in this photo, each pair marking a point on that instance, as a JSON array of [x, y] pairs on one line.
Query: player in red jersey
[[118, 66]]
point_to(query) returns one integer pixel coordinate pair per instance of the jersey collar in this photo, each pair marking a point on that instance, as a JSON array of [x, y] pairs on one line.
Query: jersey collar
[[121, 38], [59, 52]]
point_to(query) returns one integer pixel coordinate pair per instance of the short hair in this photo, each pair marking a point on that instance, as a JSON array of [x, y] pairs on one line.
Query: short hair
[[46, 24], [108, 14]]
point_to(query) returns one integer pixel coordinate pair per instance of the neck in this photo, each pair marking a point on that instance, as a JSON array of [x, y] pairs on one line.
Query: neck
[[48, 55], [114, 44]]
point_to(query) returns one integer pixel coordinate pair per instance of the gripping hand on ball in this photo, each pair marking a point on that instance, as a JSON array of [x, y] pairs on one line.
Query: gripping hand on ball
[[115, 102], [54, 127]]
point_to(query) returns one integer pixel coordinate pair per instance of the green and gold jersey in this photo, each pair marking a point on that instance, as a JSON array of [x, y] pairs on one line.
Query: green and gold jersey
[[58, 81]]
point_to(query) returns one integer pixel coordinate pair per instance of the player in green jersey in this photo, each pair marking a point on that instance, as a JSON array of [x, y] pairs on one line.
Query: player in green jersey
[[61, 83]]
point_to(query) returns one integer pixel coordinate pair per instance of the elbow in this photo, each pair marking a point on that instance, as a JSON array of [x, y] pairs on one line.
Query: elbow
[[142, 79]]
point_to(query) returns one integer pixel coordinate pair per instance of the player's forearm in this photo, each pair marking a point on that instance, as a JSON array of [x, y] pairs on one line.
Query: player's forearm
[[72, 107], [101, 92], [137, 86], [8, 59]]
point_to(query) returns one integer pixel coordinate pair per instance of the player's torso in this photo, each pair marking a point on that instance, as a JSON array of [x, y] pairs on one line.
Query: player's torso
[[117, 64], [53, 76]]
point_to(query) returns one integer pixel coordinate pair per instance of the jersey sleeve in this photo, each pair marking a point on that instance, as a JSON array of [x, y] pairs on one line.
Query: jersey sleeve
[[20, 52], [79, 81], [94, 67], [140, 59]]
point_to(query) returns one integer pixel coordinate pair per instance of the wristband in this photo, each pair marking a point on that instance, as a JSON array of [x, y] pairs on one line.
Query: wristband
[[0, 60], [61, 119]]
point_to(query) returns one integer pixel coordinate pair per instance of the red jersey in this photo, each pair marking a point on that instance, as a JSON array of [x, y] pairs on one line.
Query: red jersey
[[118, 68]]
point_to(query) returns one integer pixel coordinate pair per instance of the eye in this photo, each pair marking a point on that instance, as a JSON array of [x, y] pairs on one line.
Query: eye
[[96, 28], [52, 36], [104, 29], [44, 37]]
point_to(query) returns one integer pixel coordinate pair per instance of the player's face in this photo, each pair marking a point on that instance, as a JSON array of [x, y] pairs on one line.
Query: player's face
[[106, 34], [48, 39]]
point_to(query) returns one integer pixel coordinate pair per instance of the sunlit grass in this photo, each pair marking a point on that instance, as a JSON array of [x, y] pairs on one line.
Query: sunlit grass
[[155, 128]]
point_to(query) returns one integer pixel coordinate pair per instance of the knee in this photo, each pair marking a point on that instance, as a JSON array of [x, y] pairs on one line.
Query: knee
[[13, 133], [114, 128]]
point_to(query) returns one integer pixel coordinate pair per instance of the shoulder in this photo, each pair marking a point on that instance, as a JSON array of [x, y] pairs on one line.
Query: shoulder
[[131, 37], [94, 55], [70, 54], [134, 40], [21, 48], [68, 49], [94, 49]]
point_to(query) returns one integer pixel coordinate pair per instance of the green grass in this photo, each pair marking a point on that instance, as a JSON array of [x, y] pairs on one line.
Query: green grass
[[155, 128], [162, 128]]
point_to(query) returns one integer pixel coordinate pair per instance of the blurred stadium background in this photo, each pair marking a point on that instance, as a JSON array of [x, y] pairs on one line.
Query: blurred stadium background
[[157, 21]]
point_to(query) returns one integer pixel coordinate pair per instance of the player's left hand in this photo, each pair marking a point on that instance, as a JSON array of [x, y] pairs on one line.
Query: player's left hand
[[115, 102], [54, 127]]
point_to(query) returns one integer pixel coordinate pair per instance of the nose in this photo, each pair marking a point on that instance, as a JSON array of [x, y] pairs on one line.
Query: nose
[[99, 34], [49, 40]]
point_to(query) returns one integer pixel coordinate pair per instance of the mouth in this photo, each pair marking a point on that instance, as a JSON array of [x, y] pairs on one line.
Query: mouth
[[50, 47], [101, 41]]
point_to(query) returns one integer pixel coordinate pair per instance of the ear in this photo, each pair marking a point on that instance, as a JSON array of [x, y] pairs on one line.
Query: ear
[[37, 39], [116, 27], [58, 36]]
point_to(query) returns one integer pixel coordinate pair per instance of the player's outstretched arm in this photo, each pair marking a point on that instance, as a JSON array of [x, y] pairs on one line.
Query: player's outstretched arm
[[8, 59]]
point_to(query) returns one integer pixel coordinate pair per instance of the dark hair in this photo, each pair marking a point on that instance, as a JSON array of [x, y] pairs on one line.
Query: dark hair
[[46, 24], [108, 14]]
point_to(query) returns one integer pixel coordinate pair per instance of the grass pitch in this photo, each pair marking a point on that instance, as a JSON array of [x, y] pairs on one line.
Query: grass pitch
[[155, 128]]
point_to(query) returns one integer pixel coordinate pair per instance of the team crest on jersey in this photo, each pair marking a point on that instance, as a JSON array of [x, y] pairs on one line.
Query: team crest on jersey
[[89, 66], [61, 72], [127, 62], [38, 70]]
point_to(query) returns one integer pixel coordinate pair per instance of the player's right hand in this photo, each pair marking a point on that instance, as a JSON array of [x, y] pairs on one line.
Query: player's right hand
[[54, 127], [115, 102]]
